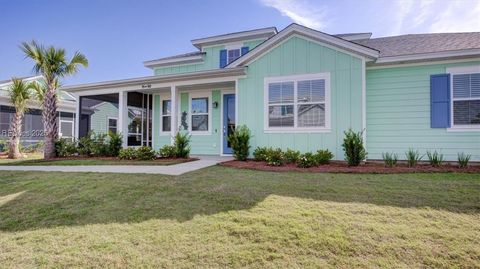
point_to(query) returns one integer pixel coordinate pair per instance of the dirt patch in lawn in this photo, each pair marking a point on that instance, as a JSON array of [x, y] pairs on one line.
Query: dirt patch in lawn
[[370, 167]]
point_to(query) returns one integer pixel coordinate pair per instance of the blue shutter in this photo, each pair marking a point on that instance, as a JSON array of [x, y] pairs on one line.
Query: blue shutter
[[440, 101], [244, 50], [223, 58]]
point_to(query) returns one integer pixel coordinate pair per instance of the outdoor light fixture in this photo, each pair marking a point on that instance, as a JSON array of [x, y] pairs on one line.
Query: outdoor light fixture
[[215, 104]]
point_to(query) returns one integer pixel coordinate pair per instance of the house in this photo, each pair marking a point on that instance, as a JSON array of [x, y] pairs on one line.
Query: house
[[300, 88], [32, 127]]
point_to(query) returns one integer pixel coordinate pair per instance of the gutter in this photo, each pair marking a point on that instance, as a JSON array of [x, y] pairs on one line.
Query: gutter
[[215, 73]]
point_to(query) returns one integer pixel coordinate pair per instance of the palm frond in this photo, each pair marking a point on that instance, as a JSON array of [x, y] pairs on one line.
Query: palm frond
[[77, 60], [19, 93]]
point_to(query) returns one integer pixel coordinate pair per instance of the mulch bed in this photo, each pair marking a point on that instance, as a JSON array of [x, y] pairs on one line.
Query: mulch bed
[[370, 167]]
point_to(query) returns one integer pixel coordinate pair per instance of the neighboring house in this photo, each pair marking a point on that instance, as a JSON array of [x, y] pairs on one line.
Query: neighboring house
[[301, 89], [32, 121]]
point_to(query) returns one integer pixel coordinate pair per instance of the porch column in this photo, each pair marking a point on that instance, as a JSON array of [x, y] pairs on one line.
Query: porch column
[[78, 111], [174, 112], [122, 125]]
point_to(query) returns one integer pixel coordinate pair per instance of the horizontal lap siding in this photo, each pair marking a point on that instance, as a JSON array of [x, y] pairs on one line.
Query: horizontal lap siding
[[212, 61], [99, 118], [398, 114], [300, 56]]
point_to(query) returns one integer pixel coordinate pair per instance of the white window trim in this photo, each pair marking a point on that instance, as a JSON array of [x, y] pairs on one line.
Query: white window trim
[[60, 128], [164, 97], [108, 123], [234, 46], [191, 96], [295, 79], [461, 70]]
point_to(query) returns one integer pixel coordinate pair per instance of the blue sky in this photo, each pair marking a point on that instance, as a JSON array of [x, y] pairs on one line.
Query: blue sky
[[118, 35]]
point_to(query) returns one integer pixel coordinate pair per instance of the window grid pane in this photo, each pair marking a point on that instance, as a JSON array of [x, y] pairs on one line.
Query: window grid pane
[[311, 115], [311, 91], [166, 107], [466, 112], [166, 124], [280, 92]]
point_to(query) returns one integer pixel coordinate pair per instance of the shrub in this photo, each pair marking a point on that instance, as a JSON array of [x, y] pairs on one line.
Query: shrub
[[145, 153], [65, 147], [127, 154], [390, 159], [275, 157], [291, 156], [260, 154], [4, 146], [353, 147], [435, 159], [168, 151], [182, 147], [463, 159], [413, 157], [307, 160], [323, 156], [240, 142], [85, 145], [35, 147], [99, 146], [114, 144]]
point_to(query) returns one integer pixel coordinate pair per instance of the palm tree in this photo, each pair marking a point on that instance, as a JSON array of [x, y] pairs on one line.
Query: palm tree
[[19, 93], [52, 64]]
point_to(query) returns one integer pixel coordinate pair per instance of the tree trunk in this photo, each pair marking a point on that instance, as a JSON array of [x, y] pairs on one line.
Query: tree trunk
[[49, 115], [15, 133]]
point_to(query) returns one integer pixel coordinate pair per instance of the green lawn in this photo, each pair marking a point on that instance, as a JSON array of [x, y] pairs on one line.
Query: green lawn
[[223, 217], [36, 159]]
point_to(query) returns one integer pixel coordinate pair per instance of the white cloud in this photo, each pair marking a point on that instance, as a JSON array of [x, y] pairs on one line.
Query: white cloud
[[435, 16], [458, 16], [300, 11]]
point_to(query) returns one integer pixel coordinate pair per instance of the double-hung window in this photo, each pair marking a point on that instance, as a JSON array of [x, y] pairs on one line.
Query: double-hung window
[[466, 100], [199, 112], [297, 103], [112, 124], [166, 115], [233, 54]]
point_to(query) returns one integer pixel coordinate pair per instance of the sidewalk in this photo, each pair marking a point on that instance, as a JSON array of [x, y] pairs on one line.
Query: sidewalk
[[173, 170]]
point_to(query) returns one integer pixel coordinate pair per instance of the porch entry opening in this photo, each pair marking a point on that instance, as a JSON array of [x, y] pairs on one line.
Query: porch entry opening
[[100, 114], [229, 119]]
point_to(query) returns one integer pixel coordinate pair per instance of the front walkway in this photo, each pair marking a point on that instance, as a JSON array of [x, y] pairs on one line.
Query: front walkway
[[174, 170]]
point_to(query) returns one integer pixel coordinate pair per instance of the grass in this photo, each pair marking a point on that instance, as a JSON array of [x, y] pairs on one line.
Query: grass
[[36, 159], [223, 217]]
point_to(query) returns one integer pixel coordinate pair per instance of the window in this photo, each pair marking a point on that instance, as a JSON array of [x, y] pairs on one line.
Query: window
[[233, 54], [166, 115], [112, 125], [297, 103], [135, 121], [199, 111], [466, 99]]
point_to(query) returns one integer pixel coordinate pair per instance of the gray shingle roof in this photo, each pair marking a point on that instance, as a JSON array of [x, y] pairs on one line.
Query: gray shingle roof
[[422, 43], [194, 53]]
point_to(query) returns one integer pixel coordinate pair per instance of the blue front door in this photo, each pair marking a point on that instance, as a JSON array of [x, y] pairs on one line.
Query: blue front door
[[228, 121]]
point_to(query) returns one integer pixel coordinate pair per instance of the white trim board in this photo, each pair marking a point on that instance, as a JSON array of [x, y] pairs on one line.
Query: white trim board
[[295, 79], [461, 70], [292, 29]]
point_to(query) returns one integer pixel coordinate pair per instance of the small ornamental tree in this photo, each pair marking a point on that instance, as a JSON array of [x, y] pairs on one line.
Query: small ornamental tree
[[353, 147], [240, 142]]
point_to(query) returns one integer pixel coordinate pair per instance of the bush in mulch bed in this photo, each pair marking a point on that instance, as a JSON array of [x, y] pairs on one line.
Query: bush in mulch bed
[[371, 167]]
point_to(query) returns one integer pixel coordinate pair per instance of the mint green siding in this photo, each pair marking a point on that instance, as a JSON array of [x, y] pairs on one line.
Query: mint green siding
[[300, 56], [398, 114], [212, 61], [159, 140], [99, 119], [200, 144]]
